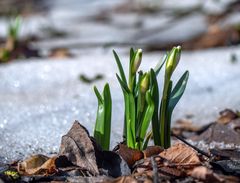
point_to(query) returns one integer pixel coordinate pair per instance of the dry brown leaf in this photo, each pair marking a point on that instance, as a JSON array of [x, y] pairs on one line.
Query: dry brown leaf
[[124, 179], [60, 53], [181, 154], [226, 116], [227, 134], [77, 146], [34, 161], [185, 125], [130, 155], [37, 165], [205, 174], [152, 150]]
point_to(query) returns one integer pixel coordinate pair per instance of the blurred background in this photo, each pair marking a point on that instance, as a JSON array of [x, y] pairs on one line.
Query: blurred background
[[55, 51]]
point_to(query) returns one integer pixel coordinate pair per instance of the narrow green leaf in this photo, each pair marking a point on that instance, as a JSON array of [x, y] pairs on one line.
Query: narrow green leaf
[[163, 110], [139, 104], [178, 90], [123, 85], [107, 116], [160, 64], [147, 116], [167, 130], [129, 118], [99, 97], [132, 115], [155, 94], [148, 137], [131, 54], [120, 68], [99, 125]]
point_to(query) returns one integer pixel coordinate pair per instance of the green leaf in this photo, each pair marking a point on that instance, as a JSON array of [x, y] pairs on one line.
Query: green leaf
[[99, 125], [132, 115], [167, 130], [130, 120], [148, 137], [139, 100], [102, 129], [178, 90], [160, 64], [131, 54], [132, 76], [99, 97], [107, 116], [123, 85], [120, 68], [155, 94], [14, 28], [147, 116]]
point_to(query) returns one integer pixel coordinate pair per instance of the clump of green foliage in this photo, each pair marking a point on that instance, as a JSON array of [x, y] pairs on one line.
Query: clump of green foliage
[[142, 101], [12, 39]]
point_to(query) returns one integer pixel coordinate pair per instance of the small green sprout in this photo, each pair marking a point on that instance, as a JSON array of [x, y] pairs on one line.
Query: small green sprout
[[14, 175], [13, 33], [12, 39], [102, 129]]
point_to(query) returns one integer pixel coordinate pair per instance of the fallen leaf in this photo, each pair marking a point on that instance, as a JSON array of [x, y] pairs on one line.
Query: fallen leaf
[[88, 80], [130, 155], [77, 146], [79, 179], [163, 167], [230, 167], [226, 116], [220, 154], [227, 134], [204, 174], [181, 154], [60, 53], [111, 164], [185, 128], [152, 150], [32, 162], [37, 165], [185, 125], [124, 179]]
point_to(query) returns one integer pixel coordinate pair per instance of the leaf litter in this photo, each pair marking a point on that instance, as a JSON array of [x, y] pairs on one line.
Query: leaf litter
[[81, 159]]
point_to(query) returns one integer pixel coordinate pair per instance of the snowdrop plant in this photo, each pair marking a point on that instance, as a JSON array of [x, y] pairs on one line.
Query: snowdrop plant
[[142, 102]]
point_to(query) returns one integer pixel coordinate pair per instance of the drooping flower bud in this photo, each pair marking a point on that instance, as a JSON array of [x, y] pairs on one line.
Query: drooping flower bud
[[137, 61], [144, 85], [172, 61]]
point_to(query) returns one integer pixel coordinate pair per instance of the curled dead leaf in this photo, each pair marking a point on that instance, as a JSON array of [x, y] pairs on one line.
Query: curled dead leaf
[[37, 165], [226, 116], [130, 155], [152, 150]]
